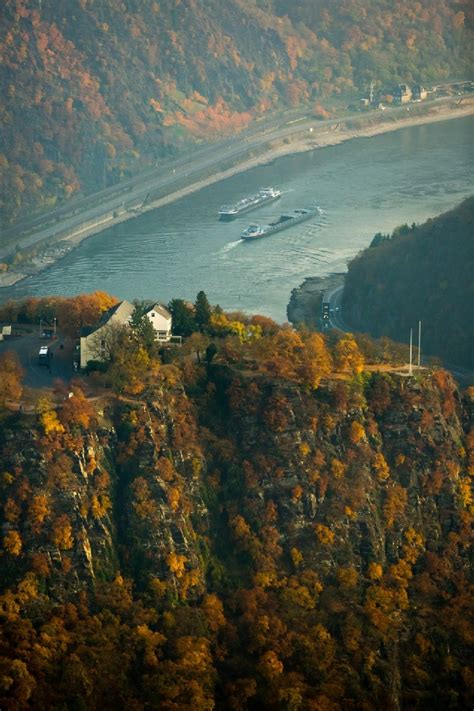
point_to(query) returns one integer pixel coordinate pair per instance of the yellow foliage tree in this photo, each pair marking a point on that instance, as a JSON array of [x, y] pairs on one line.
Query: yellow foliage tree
[[324, 534], [100, 505], [151, 640], [194, 654], [296, 557], [62, 533], [157, 588], [214, 611], [381, 466], [375, 571], [296, 493], [270, 666], [221, 324], [176, 563], [50, 422], [338, 468], [348, 356], [38, 510], [174, 497], [316, 361], [12, 543], [384, 606], [304, 449], [347, 577], [357, 432], [465, 492]]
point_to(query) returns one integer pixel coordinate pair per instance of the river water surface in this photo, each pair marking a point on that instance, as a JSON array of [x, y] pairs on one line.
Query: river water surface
[[363, 186]]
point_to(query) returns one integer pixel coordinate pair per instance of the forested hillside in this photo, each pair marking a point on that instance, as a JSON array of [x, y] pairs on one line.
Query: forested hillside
[[264, 522], [94, 91], [419, 273]]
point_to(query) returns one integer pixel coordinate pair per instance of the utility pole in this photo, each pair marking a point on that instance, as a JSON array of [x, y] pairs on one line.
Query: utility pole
[[419, 343], [371, 92], [410, 369]]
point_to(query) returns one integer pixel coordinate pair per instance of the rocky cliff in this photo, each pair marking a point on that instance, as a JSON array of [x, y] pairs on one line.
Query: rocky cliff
[[236, 540]]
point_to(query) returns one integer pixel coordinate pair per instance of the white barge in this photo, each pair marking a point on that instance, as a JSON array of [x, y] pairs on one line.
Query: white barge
[[264, 196]]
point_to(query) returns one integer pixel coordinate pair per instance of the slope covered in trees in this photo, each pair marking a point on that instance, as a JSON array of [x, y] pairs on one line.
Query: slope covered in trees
[[419, 273], [94, 91], [265, 524]]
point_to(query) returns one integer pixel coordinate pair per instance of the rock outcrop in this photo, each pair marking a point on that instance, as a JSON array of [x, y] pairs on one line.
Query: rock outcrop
[[249, 543]]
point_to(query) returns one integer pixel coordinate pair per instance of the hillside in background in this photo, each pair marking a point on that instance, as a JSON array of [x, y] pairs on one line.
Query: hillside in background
[[419, 273], [264, 522], [95, 91]]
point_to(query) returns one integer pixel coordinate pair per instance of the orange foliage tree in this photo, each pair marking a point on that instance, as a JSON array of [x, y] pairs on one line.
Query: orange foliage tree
[[10, 377]]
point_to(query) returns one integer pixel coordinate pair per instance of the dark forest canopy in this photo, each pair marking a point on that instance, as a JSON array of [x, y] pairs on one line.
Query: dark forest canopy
[[422, 273], [94, 91]]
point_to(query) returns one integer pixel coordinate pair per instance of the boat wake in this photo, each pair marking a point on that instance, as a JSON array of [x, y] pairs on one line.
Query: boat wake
[[230, 246], [175, 233]]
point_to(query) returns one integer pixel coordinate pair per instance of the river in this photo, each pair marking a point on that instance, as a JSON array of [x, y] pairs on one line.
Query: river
[[363, 186]]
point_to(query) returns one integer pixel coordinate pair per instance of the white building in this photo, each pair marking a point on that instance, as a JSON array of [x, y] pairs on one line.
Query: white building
[[97, 341], [161, 320], [94, 340]]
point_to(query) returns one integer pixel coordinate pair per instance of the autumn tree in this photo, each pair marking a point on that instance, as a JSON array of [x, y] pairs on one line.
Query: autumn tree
[[11, 374], [347, 355], [62, 533], [82, 310], [357, 432], [50, 422], [12, 543], [197, 343], [316, 361], [129, 369], [76, 410], [281, 354], [38, 510]]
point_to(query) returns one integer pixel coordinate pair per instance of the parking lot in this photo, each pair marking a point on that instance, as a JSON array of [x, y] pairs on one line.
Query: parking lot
[[26, 343]]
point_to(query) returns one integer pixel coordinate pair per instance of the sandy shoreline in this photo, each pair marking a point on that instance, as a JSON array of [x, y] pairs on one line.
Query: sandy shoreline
[[319, 138]]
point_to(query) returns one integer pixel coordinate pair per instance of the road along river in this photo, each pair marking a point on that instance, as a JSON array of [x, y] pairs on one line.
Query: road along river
[[363, 186]]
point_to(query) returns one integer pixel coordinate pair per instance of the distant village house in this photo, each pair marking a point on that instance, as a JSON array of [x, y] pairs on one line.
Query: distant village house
[[419, 93], [402, 94]]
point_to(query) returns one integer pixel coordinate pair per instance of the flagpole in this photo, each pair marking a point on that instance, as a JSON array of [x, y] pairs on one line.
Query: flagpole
[[410, 370], [419, 343]]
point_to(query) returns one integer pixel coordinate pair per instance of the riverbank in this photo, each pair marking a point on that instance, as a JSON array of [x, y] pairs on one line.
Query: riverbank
[[306, 300], [309, 137]]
